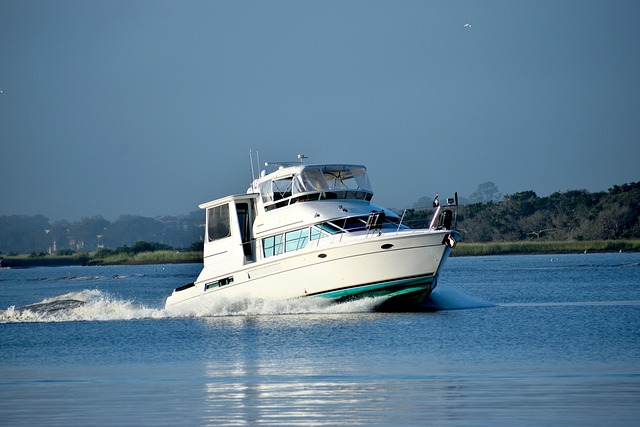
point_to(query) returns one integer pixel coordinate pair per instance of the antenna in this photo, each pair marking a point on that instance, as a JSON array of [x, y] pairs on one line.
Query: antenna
[[258, 158], [253, 175]]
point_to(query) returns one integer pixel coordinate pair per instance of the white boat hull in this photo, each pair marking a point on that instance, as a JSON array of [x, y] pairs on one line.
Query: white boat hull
[[402, 265]]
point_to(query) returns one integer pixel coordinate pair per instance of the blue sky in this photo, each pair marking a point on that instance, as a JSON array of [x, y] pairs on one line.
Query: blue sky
[[151, 107]]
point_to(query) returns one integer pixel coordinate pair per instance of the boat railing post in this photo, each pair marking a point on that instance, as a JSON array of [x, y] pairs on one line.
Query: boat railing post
[[435, 215], [401, 218], [455, 220]]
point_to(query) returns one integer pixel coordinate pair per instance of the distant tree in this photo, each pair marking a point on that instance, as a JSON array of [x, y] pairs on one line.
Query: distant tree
[[103, 253], [24, 234], [486, 192], [427, 201], [86, 232], [133, 228], [196, 247], [614, 223], [576, 214], [424, 202], [142, 246]]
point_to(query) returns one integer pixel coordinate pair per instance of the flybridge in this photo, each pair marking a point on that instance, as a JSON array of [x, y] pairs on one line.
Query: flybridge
[[313, 182]]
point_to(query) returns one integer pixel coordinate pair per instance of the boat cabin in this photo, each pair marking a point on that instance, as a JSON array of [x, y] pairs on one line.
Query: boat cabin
[[230, 238], [228, 235]]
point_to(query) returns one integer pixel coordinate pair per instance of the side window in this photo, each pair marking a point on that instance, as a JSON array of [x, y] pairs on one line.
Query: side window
[[328, 227], [272, 246], [218, 226], [295, 240], [352, 224], [316, 234]]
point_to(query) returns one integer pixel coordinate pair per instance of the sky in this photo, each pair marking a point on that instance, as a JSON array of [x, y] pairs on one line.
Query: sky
[[151, 107]]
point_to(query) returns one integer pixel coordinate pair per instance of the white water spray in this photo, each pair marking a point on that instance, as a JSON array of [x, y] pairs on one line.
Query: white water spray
[[86, 305], [96, 305]]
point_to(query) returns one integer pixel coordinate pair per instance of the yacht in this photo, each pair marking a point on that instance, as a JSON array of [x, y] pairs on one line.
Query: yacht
[[312, 231]]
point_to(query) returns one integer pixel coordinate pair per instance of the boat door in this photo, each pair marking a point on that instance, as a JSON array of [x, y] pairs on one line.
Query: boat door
[[229, 242], [245, 211]]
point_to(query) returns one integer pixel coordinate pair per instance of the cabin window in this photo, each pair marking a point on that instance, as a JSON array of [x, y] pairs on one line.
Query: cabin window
[[219, 283], [317, 234], [295, 240], [218, 226], [328, 227], [272, 245], [351, 224]]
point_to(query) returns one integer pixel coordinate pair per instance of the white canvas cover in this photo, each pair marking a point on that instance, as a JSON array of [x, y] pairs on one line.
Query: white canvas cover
[[328, 178], [315, 179]]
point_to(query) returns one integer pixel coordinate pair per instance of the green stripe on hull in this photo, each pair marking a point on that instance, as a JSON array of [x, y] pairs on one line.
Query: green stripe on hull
[[412, 288]]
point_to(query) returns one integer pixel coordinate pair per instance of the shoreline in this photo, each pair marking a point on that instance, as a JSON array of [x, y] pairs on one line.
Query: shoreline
[[545, 247], [90, 259], [461, 249]]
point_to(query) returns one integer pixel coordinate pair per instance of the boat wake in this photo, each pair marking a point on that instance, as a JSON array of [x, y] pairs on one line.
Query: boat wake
[[448, 298], [247, 306], [96, 305], [572, 304], [86, 305]]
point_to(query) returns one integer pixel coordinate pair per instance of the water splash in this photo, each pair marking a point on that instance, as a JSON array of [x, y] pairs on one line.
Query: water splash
[[248, 306], [96, 305], [86, 305]]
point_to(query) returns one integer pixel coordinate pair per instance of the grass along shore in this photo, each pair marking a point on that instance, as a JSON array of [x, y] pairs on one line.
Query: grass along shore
[[155, 257], [545, 247], [462, 249]]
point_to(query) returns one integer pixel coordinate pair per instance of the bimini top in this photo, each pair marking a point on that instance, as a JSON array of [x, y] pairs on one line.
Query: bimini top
[[312, 182]]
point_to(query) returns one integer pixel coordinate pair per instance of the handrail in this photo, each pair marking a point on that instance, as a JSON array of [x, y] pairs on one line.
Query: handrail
[[435, 215], [400, 223], [319, 195]]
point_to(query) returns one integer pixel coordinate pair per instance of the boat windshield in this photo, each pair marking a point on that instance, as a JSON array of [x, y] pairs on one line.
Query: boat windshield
[[318, 182], [331, 178]]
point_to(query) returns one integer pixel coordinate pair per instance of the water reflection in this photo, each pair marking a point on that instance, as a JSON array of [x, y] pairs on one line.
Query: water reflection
[[273, 375], [260, 387], [415, 369]]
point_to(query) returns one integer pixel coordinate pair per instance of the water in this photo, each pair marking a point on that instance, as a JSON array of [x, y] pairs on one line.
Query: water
[[515, 340]]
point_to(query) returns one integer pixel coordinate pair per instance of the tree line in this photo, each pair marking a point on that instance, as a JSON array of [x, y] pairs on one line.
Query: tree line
[[572, 215], [22, 234]]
